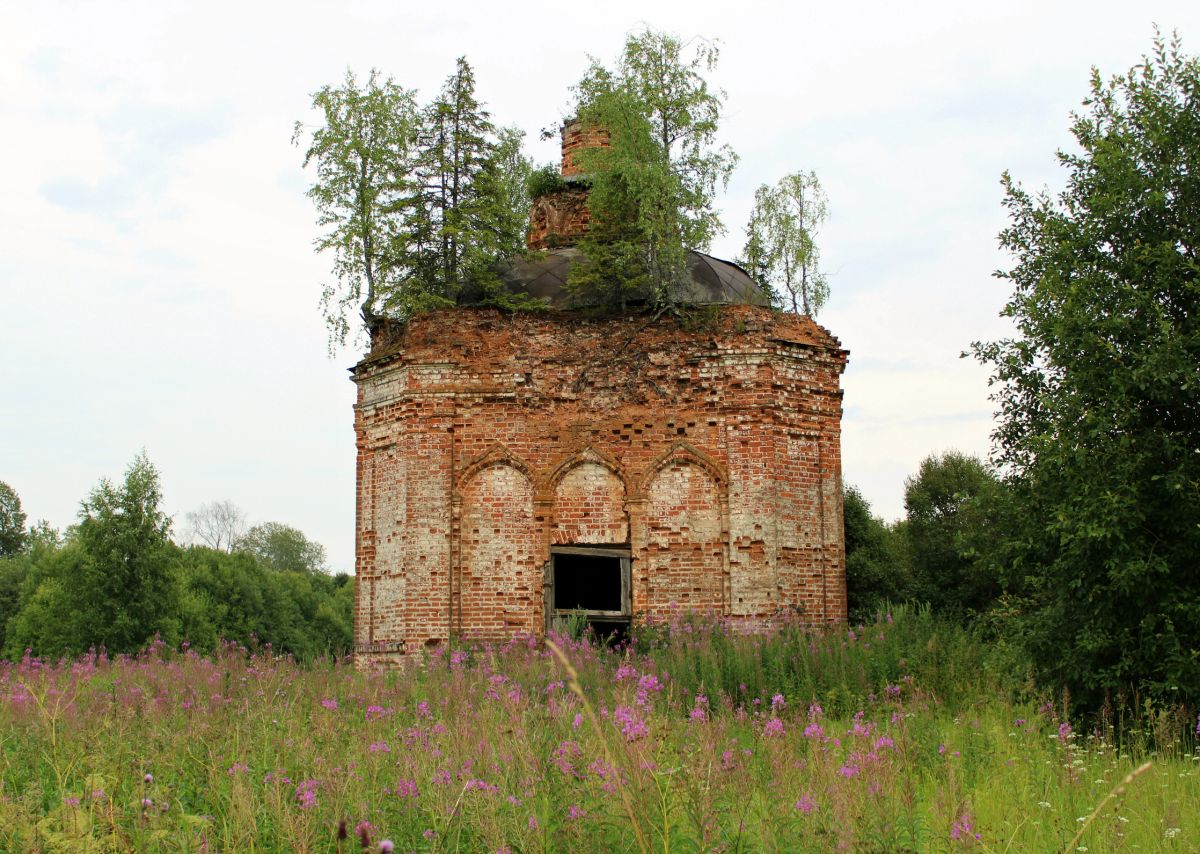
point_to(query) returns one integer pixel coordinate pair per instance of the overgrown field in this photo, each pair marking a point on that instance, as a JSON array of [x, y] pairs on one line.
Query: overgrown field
[[890, 737]]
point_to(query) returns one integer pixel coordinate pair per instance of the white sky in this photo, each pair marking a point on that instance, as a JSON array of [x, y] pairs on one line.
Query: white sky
[[158, 288]]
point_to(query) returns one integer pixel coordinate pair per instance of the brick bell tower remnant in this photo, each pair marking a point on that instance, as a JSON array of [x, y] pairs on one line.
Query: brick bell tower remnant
[[514, 469]]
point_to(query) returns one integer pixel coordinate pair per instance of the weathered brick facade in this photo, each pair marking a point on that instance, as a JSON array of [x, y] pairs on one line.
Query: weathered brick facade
[[709, 459]]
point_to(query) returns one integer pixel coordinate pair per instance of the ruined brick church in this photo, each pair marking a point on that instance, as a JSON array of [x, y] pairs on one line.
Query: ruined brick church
[[517, 468]]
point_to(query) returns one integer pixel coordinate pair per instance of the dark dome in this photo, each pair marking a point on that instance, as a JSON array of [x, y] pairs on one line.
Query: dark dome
[[712, 280]]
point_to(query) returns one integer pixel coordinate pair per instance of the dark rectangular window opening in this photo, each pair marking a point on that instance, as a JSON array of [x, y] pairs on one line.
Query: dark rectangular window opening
[[594, 580]]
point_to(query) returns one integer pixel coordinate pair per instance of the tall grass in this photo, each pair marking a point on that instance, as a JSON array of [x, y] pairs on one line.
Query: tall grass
[[902, 735]]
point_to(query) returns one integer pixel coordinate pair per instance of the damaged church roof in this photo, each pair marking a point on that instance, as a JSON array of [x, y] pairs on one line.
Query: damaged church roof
[[710, 280]]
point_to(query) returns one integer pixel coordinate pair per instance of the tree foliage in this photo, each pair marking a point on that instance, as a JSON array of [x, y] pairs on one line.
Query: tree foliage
[[363, 154], [949, 503], [877, 562], [1099, 391], [469, 207], [118, 581], [12, 521], [652, 186], [780, 247], [283, 548], [417, 202]]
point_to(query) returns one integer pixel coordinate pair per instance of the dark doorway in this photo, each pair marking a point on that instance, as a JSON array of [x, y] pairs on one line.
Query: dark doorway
[[592, 582], [587, 582]]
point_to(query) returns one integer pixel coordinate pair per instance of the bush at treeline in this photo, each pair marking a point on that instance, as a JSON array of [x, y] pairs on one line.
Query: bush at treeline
[[116, 580]]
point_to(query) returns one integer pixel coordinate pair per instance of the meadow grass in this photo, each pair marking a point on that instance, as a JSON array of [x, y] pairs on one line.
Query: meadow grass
[[698, 735]]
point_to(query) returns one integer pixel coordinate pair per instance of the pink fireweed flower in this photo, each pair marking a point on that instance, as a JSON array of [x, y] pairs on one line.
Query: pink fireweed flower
[[815, 712], [578, 722], [575, 812], [379, 747], [533, 823], [406, 789], [884, 743], [630, 723], [806, 805], [849, 770], [625, 671], [374, 712], [442, 777], [727, 761], [647, 685], [74, 802], [699, 715], [363, 831], [306, 794], [423, 710], [814, 730], [963, 828], [774, 727], [331, 705], [238, 768], [778, 703], [1065, 733]]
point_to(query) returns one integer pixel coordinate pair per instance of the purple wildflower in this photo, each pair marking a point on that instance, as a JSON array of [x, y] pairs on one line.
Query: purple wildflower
[[963, 828], [306, 794], [774, 727], [806, 805], [630, 724]]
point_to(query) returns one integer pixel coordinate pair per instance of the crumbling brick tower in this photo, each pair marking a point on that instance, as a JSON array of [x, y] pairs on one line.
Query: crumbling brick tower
[[514, 468]]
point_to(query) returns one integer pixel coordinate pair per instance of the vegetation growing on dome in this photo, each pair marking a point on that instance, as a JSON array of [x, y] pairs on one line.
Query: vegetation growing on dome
[[652, 186], [544, 181]]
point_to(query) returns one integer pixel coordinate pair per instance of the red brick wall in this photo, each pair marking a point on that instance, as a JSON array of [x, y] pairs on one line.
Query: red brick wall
[[575, 138], [683, 563], [501, 574], [557, 219], [484, 438]]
